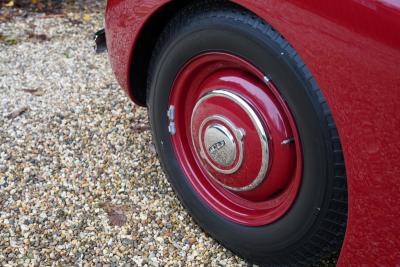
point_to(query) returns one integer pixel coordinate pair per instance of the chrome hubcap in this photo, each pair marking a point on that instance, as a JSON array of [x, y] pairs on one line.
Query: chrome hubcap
[[221, 143]]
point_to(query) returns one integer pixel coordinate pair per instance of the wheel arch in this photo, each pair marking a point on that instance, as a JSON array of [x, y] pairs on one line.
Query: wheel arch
[[145, 44]]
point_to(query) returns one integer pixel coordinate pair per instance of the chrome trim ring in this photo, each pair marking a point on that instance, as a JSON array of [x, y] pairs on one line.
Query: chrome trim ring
[[259, 128]]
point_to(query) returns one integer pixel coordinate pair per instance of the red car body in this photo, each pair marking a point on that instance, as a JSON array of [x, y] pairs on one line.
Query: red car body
[[352, 48]]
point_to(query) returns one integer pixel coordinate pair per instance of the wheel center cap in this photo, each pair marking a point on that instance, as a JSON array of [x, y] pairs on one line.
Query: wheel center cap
[[220, 144], [230, 140]]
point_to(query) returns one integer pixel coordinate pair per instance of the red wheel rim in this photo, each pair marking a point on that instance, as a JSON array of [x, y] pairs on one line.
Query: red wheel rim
[[235, 138]]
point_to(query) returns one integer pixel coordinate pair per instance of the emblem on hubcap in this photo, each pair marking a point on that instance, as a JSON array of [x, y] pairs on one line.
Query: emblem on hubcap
[[217, 146], [220, 144]]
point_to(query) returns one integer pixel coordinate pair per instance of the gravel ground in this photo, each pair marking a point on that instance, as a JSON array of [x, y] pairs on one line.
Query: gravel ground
[[79, 179]]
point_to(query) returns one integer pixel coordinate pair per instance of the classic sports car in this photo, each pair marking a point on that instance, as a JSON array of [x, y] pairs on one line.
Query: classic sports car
[[277, 122]]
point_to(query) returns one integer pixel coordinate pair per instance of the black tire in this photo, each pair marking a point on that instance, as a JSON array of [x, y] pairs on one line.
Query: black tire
[[314, 227]]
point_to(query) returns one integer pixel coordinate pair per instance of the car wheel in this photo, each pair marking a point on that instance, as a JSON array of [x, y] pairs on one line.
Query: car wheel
[[246, 137]]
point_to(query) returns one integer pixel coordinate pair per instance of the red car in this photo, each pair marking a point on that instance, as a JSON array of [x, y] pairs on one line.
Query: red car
[[277, 122]]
